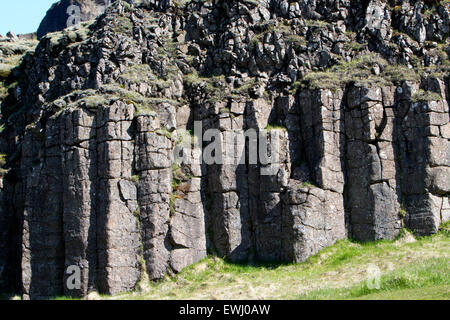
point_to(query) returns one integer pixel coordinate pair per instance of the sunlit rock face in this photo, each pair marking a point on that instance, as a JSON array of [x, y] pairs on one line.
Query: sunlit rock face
[[93, 116], [61, 15]]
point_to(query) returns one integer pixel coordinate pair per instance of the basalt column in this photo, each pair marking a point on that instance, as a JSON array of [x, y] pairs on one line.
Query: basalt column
[[372, 198], [154, 158], [43, 241], [79, 188], [425, 156], [118, 237], [228, 183], [313, 211]]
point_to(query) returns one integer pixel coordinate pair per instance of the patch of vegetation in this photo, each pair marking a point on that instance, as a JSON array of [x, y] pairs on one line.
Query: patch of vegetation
[[5, 70], [138, 73], [142, 104], [355, 46], [142, 73], [142, 110], [296, 41], [169, 50], [271, 127], [396, 73], [417, 270], [69, 37], [432, 5], [178, 176], [123, 25], [17, 48], [95, 101], [137, 214], [317, 23], [106, 95], [308, 184], [409, 270], [425, 96], [213, 86], [9, 297], [181, 4], [245, 88], [173, 198], [431, 275], [135, 179], [3, 159], [402, 212], [3, 91], [284, 28], [442, 69], [12, 54], [164, 132], [359, 71]]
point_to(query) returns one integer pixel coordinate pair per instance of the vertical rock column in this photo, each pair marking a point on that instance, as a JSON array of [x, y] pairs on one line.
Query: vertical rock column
[[227, 186], [321, 117], [118, 226], [371, 169], [266, 180], [43, 243], [273, 178], [5, 233], [10, 237], [188, 218], [79, 186], [424, 139], [154, 157], [313, 207]]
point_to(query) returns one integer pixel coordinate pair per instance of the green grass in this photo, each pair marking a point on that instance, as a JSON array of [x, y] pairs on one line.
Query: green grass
[[5, 70], [358, 70], [432, 275], [3, 156], [317, 23], [409, 270], [427, 293], [424, 96], [66, 299], [307, 184], [123, 25], [135, 179], [271, 127]]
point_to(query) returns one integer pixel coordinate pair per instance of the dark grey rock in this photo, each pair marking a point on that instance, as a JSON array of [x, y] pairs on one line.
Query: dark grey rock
[[90, 131]]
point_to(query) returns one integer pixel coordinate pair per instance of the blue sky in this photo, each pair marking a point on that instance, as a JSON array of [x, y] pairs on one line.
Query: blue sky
[[22, 16]]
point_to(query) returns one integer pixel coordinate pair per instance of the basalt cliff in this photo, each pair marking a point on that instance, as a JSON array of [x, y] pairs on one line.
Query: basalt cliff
[[357, 91]]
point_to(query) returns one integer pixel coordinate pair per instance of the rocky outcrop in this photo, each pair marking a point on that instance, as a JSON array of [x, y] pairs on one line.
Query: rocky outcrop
[[59, 16], [357, 115]]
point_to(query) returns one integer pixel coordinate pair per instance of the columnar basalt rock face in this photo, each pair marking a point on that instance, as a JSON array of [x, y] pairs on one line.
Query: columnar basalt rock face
[[425, 164], [93, 132], [371, 170]]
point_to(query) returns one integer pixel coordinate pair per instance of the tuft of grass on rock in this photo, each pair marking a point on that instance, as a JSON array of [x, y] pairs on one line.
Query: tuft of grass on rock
[[424, 96]]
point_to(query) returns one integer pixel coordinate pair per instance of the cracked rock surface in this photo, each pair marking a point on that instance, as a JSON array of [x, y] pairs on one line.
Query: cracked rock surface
[[357, 92]]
